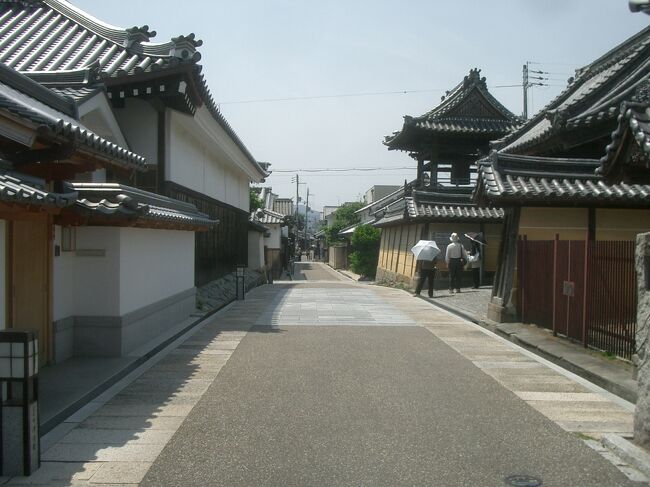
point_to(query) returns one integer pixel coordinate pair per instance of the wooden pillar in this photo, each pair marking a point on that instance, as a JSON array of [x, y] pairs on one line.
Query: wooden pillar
[[399, 248], [504, 276], [420, 171], [591, 225]]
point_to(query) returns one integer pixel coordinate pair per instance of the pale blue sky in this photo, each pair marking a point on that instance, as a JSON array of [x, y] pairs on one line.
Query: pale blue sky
[[258, 49]]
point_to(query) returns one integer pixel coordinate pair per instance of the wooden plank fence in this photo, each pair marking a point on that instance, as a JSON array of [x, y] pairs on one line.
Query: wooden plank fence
[[582, 290]]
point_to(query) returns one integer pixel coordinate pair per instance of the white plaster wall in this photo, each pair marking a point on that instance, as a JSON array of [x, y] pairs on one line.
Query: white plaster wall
[[255, 250], [202, 163], [3, 274], [88, 286], [97, 115], [273, 241], [187, 161], [139, 123], [154, 265]]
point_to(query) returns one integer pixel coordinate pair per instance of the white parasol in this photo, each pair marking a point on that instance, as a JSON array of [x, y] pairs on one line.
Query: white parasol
[[425, 250]]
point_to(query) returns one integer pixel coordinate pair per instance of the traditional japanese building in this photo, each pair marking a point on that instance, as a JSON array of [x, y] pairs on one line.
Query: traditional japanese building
[[576, 176], [154, 96], [445, 142], [69, 249]]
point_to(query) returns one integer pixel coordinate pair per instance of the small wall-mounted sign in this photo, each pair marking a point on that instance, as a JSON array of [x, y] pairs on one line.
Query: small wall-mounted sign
[[90, 252], [646, 270], [569, 288]]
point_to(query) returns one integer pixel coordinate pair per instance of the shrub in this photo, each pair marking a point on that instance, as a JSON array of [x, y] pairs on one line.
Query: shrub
[[365, 243]]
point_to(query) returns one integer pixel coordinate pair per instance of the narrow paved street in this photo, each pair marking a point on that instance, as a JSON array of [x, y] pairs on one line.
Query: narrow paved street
[[337, 383], [315, 271]]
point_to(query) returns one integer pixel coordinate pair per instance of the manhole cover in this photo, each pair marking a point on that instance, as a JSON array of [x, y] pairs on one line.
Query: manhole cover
[[523, 481]]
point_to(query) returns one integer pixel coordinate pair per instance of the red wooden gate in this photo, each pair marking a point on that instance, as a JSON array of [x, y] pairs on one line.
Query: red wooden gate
[[612, 297], [583, 290]]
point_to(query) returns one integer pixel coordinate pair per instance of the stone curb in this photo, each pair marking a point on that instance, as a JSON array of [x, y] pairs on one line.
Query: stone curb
[[630, 453], [344, 273], [502, 330]]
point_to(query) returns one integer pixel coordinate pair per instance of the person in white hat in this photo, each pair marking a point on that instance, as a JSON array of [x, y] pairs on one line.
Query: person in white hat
[[456, 258]]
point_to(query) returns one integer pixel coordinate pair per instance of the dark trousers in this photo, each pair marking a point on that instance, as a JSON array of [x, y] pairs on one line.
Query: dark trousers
[[455, 268], [429, 274], [476, 275]]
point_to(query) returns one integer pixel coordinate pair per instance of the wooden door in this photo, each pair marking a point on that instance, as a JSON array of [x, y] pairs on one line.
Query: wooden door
[[29, 279]]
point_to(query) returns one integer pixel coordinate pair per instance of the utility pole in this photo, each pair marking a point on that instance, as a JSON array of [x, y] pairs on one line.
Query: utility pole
[[297, 198], [526, 83], [295, 213], [306, 217]]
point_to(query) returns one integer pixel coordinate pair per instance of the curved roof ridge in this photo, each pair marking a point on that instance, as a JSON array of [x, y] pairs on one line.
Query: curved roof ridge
[[103, 29], [625, 53], [613, 55], [453, 97]]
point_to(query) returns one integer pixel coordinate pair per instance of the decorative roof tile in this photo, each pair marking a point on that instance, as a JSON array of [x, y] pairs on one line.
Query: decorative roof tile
[[630, 160], [269, 217], [27, 190], [507, 179]]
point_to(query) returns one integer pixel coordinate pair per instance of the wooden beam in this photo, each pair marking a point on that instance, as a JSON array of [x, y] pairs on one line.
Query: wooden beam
[[18, 211]]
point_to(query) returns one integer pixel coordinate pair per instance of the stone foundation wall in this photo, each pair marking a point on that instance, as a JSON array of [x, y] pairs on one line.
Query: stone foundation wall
[[642, 415]]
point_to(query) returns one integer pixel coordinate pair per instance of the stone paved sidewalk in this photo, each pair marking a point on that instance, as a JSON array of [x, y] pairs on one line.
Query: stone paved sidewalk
[[614, 375]]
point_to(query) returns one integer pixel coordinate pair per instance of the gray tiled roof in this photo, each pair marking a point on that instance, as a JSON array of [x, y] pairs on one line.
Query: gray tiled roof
[[27, 190], [270, 217], [438, 204], [468, 108], [253, 224], [284, 206], [507, 179], [53, 36], [116, 200], [592, 97], [79, 95], [417, 209], [56, 116]]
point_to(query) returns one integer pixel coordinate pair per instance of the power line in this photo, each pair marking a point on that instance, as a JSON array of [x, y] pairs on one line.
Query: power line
[[319, 97], [345, 169]]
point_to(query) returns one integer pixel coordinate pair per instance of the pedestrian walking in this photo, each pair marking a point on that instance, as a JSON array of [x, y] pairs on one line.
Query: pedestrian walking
[[456, 258], [426, 270], [474, 260]]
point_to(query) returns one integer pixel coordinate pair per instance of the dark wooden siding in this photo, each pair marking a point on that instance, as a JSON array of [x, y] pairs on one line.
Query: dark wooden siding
[[220, 249]]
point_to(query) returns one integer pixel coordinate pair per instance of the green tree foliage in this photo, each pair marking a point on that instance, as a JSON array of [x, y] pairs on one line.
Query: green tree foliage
[[255, 201], [343, 217], [295, 224], [365, 243]]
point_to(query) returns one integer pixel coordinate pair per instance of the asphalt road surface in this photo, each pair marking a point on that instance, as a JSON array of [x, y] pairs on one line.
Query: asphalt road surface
[[310, 398]]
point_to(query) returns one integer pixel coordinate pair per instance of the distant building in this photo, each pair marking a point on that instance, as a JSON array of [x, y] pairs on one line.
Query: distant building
[[378, 192], [328, 214], [284, 206]]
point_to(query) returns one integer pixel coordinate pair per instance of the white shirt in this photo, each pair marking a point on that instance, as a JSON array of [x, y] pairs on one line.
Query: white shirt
[[455, 250]]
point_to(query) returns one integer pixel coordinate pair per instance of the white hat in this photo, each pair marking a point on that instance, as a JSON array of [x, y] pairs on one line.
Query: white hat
[[454, 237]]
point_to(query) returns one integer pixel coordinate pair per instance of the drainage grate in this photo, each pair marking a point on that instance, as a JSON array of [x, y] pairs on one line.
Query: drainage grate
[[523, 481]]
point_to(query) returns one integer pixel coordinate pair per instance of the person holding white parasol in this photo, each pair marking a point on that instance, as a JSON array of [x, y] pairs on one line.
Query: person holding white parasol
[[426, 254]]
